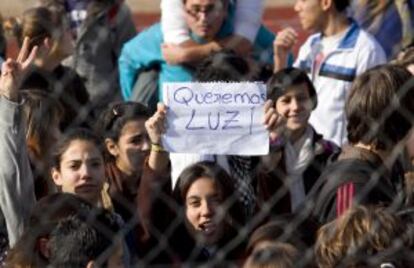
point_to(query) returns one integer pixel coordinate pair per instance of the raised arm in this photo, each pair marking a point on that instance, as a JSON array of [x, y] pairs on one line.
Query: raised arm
[[16, 180], [156, 126], [154, 191]]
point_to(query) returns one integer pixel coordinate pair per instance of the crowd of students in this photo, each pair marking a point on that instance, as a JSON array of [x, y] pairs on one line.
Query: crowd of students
[[86, 182]]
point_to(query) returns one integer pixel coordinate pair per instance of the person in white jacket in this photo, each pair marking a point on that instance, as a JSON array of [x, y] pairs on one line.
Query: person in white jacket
[[337, 52]]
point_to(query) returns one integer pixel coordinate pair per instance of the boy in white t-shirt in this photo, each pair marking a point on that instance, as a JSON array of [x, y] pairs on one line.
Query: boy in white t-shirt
[[179, 48], [333, 56]]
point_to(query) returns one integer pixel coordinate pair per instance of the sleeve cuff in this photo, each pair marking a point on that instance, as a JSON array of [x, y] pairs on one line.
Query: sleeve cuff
[[10, 111]]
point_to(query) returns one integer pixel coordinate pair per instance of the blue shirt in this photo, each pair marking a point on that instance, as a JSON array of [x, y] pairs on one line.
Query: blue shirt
[[144, 51]]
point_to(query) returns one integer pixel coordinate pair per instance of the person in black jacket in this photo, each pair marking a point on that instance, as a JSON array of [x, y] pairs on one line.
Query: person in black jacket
[[379, 112], [298, 153]]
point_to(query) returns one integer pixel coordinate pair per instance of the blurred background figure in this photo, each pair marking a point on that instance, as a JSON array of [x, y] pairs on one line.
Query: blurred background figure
[[48, 30], [390, 21], [100, 28]]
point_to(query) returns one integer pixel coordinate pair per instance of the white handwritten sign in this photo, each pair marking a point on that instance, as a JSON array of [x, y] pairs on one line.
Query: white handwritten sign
[[216, 118]]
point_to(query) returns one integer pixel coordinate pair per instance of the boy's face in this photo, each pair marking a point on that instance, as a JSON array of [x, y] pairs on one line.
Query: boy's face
[[296, 106], [205, 17], [311, 14]]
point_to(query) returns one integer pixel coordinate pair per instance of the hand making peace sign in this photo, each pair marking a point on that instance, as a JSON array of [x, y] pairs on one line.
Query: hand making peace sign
[[13, 71]]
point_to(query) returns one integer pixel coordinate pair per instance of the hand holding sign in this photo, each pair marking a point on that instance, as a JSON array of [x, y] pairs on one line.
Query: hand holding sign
[[155, 125], [274, 122], [216, 118]]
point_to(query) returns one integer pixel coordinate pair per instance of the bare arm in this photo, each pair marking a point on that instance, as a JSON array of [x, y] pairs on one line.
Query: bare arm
[[155, 125], [190, 51], [282, 46]]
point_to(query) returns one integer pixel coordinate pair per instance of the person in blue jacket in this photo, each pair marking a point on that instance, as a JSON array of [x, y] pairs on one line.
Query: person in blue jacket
[[208, 21]]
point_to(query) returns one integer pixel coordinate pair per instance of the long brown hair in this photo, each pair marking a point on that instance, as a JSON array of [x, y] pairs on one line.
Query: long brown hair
[[224, 181], [380, 106], [40, 112], [36, 24]]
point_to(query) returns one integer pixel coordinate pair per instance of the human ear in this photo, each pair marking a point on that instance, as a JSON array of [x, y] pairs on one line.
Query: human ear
[[326, 4], [57, 178], [112, 147]]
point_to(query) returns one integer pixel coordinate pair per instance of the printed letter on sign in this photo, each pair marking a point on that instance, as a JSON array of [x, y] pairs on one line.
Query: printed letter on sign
[[216, 118]]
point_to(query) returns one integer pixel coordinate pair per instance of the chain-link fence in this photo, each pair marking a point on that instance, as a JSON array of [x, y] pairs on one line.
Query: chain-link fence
[[298, 206]]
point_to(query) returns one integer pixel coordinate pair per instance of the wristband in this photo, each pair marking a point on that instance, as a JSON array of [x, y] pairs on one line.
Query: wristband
[[155, 147]]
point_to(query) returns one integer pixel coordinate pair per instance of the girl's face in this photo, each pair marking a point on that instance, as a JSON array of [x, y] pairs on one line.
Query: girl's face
[[81, 170], [296, 106], [132, 147], [204, 214]]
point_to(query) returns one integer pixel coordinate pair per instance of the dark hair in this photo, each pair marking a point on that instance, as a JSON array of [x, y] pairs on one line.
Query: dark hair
[[114, 118], [214, 171], [285, 228], [45, 215], [69, 136], [40, 111], [341, 5], [78, 239], [380, 107], [284, 79], [224, 66]]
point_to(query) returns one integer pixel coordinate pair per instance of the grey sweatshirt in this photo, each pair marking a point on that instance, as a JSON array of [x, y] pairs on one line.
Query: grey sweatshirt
[[16, 180]]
